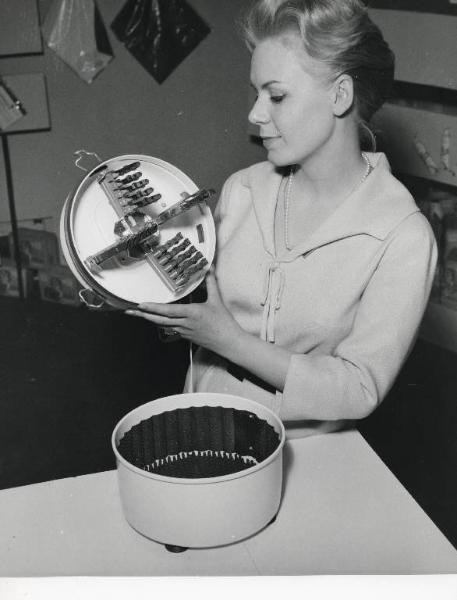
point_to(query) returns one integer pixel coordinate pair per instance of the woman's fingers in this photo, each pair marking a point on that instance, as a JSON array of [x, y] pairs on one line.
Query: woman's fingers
[[167, 310], [154, 318]]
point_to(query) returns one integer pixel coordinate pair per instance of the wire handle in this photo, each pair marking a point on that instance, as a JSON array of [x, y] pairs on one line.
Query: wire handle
[[89, 301], [81, 154]]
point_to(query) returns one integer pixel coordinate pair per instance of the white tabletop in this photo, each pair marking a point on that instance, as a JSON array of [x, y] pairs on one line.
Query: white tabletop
[[343, 512]]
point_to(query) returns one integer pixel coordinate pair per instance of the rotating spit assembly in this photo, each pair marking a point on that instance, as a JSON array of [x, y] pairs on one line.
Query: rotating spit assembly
[[137, 229]]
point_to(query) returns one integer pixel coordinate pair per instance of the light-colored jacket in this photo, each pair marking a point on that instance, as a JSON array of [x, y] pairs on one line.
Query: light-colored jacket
[[347, 301]]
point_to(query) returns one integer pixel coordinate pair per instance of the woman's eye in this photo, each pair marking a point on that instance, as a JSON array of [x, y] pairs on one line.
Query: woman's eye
[[277, 99]]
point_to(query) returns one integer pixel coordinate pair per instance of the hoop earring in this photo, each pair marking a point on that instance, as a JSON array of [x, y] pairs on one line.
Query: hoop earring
[[365, 132]]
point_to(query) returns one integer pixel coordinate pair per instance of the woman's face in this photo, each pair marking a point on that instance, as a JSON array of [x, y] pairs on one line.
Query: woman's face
[[294, 101]]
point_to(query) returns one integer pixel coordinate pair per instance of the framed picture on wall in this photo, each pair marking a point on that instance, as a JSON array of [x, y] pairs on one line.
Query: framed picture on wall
[[19, 28]]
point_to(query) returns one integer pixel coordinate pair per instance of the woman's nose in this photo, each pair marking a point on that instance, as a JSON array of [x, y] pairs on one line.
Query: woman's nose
[[258, 114]]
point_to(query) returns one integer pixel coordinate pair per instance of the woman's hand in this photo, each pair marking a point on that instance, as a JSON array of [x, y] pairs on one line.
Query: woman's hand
[[208, 324], [212, 326]]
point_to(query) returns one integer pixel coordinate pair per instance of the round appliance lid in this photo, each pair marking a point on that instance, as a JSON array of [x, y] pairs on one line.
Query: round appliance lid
[[91, 221]]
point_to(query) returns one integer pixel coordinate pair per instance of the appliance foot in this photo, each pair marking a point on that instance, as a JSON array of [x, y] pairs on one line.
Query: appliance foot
[[175, 549]]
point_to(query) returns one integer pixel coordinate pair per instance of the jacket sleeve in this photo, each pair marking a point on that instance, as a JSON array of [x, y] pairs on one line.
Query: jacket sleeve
[[351, 382]]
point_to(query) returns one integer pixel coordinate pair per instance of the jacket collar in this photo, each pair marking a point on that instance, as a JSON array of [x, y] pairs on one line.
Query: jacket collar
[[375, 208]]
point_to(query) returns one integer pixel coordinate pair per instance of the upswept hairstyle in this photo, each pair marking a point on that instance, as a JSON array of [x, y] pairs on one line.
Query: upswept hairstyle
[[337, 32]]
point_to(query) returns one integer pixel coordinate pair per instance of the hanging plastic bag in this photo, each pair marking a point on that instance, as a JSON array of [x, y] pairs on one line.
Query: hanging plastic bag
[[75, 31], [159, 33]]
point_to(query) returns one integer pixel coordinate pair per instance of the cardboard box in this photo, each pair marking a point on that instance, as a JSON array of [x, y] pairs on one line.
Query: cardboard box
[[58, 284], [38, 248]]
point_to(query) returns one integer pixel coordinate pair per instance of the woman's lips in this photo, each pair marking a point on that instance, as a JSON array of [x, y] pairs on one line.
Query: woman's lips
[[269, 140]]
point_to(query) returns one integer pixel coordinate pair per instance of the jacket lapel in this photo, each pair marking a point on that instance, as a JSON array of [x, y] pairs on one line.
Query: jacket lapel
[[264, 182], [375, 208]]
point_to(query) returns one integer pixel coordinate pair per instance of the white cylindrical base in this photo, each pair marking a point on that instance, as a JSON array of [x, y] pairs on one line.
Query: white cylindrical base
[[203, 512]]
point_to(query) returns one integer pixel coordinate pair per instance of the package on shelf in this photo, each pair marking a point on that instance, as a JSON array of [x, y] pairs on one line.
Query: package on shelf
[[450, 234], [449, 280], [9, 282], [39, 248], [440, 208], [446, 200], [58, 284]]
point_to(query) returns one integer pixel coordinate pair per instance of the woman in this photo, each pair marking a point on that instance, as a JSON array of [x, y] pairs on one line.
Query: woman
[[324, 262]]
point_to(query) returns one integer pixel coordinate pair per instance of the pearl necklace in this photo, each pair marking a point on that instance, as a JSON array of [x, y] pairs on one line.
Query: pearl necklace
[[289, 188]]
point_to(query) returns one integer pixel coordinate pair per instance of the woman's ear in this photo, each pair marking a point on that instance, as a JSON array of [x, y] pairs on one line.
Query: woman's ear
[[343, 95]]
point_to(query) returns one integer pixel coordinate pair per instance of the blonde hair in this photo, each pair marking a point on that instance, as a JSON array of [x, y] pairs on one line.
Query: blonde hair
[[337, 32]]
